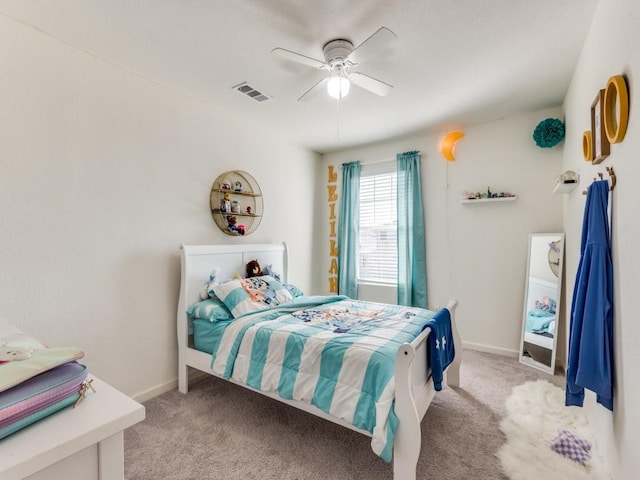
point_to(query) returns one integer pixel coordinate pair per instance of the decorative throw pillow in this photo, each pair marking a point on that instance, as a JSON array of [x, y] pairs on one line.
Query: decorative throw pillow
[[572, 446], [293, 290], [268, 270], [247, 295], [211, 309]]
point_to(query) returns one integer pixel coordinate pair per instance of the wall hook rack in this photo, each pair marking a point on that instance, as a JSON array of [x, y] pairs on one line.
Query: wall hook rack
[[612, 175]]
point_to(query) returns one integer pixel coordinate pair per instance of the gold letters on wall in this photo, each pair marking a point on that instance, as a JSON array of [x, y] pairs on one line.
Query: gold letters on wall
[[332, 196]]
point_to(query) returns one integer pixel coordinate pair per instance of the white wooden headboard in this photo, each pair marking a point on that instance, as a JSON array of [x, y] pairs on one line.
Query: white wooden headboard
[[198, 260]]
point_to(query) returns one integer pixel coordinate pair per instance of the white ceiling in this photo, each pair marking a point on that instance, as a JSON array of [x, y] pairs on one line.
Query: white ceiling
[[455, 63]]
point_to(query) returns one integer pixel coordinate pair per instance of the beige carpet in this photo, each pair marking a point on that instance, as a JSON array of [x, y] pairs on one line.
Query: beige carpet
[[222, 431]]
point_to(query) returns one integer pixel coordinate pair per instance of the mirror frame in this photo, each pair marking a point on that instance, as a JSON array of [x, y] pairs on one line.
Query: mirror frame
[[529, 360]]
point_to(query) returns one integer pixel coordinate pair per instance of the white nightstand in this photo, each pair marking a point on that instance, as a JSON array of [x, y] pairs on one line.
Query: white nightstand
[[82, 443]]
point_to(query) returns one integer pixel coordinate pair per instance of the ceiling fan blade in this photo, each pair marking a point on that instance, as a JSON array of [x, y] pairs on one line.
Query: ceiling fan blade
[[313, 91], [369, 83], [372, 45], [296, 57]]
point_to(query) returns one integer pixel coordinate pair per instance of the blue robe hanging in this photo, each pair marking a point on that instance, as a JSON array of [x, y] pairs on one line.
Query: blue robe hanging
[[590, 363]]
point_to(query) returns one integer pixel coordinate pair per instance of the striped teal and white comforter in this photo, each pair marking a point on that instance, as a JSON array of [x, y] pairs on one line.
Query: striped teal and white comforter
[[332, 352]]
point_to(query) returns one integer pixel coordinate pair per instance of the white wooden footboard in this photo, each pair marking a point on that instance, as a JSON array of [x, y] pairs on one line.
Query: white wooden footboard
[[414, 392]]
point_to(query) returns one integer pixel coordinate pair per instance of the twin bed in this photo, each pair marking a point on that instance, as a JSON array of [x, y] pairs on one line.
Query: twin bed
[[362, 365]]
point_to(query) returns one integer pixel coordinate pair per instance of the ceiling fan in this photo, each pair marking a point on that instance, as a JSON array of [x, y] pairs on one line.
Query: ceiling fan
[[340, 57]]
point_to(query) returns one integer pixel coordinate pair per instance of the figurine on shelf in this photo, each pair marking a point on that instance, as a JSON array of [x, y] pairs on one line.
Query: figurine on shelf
[[225, 204], [248, 210], [225, 186], [235, 206], [233, 227], [237, 187]]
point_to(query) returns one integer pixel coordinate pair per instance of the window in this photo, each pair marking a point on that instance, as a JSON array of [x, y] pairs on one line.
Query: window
[[377, 249]]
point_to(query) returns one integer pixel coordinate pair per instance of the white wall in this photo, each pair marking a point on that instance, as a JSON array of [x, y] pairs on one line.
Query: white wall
[[611, 48], [102, 175], [478, 252]]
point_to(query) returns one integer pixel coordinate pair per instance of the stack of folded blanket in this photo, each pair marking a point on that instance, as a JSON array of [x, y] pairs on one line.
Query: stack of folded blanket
[[36, 381]]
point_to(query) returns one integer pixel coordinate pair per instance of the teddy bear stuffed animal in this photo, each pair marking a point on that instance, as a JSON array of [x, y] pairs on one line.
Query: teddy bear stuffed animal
[[254, 269]]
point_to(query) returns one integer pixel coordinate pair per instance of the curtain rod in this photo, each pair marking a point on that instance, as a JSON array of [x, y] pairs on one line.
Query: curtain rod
[[374, 162]]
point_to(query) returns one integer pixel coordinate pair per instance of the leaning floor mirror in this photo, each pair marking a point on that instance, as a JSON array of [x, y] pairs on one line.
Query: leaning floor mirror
[[543, 287]]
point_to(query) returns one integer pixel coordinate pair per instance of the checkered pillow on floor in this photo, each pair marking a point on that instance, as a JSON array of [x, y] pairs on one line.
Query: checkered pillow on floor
[[571, 446]]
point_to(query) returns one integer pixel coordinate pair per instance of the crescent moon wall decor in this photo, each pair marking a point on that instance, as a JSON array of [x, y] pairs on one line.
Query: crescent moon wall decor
[[448, 145]]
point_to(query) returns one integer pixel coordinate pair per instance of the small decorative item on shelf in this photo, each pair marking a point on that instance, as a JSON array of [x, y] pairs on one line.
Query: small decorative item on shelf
[[569, 176], [225, 205], [548, 133], [225, 186], [234, 228], [237, 187], [248, 210], [235, 206], [488, 195]]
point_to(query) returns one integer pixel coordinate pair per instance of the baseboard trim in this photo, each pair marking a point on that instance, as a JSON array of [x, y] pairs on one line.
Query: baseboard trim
[[479, 347], [141, 397]]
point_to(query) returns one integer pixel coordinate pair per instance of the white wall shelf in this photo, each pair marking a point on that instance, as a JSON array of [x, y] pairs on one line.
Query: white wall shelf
[[489, 200], [565, 187], [567, 182]]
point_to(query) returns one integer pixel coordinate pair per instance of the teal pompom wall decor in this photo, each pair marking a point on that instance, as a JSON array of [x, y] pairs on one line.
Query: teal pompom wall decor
[[548, 133]]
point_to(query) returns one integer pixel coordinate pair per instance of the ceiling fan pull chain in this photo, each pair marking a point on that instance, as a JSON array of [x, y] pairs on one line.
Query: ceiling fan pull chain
[[337, 120]]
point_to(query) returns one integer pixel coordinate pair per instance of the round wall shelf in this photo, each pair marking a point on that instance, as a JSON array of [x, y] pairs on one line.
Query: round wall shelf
[[236, 203]]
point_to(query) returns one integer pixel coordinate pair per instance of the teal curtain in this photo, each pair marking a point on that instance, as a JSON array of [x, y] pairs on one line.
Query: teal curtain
[[348, 227], [412, 260]]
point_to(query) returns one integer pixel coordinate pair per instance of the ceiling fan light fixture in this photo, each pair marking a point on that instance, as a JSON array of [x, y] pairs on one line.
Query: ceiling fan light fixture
[[340, 56], [338, 86]]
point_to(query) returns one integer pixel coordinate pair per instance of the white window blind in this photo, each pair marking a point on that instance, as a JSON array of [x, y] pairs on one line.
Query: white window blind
[[378, 252]]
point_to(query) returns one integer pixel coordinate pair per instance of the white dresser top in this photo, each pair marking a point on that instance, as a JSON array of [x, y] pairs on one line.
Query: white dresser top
[[98, 416]]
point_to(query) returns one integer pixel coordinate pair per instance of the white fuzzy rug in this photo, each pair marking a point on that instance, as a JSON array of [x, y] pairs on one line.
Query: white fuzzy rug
[[535, 412]]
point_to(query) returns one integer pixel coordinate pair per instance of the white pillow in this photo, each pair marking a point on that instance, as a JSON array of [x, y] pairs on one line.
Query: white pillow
[[253, 294]]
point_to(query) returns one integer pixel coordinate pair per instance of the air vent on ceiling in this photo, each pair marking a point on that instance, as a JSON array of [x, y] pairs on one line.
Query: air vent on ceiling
[[251, 92]]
